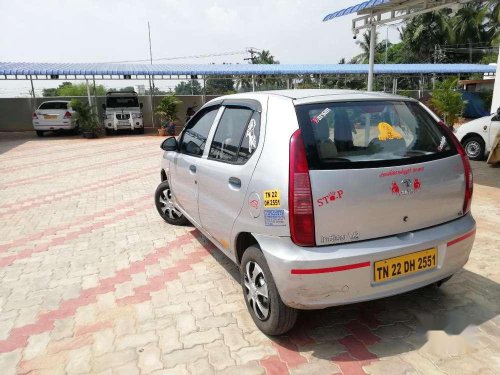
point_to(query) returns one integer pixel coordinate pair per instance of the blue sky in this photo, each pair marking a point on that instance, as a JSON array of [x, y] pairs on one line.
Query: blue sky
[[99, 31]]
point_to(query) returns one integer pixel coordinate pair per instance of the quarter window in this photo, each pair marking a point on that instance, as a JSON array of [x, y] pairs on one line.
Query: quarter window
[[236, 137], [195, 136]]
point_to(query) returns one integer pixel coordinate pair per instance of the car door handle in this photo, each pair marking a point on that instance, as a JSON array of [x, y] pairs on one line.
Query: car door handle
[[235, 182], [192, 168]]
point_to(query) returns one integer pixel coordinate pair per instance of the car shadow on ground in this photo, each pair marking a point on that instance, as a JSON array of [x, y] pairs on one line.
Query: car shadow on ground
[[437, 318]]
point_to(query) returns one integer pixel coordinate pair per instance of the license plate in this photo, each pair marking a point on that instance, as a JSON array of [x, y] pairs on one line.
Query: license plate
[[123, 123], [49, 117], [408, 264]]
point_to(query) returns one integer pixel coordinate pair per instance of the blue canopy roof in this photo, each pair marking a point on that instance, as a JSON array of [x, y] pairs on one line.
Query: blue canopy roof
[[355, 9], [98, 69]]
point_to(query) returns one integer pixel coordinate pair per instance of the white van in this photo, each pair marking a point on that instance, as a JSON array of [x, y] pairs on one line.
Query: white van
[[122, 111]]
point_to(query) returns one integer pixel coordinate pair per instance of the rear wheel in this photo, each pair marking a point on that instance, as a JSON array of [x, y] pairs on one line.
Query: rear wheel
[[474, 148], [39, 133], [166, 207], [263, 301]]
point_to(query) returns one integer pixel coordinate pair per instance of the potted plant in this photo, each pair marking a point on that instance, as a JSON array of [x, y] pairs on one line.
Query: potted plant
[[86, 119], [167, 110]]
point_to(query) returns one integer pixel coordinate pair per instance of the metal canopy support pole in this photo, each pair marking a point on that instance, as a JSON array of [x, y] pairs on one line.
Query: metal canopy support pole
[[33, 93], [319, 84], [253, 82], [204, 91], [88, 94], [373, 30], [95, 96]]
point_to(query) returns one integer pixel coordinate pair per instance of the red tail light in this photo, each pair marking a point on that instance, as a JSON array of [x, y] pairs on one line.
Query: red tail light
[[67, 114], [34, 116], [299, 194], [467, 168]]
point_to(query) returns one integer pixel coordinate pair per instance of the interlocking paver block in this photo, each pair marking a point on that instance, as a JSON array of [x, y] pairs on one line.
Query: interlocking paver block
[[93, 281]]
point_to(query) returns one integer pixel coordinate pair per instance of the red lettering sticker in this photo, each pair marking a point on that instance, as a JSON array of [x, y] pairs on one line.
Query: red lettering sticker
[[330, 197]]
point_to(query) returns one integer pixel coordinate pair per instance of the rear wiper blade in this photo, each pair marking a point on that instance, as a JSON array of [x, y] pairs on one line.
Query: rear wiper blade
[[336, 159]]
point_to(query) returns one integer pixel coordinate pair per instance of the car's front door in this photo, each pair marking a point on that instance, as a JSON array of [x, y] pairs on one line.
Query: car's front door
[[494, 129], [227, 170], [185, 164]]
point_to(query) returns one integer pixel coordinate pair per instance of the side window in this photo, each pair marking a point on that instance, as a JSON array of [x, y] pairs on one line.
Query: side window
[[195, 136], [236, 137]]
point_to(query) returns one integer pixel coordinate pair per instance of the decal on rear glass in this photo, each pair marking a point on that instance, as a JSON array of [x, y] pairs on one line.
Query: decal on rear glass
[[272, 198], [442, 143], [274, 218], [250, 134], [387, 132], [331, 197], [321, 116]]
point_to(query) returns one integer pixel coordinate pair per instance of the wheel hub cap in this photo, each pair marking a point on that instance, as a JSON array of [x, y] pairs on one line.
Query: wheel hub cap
[[168, 206], [472, 149], [256, 290]]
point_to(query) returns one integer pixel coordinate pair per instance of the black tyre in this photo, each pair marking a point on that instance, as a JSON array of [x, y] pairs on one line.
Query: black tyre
[[108, 131], [166, 207], [474, 148], [263, 301], [39, 133], [139, 130]]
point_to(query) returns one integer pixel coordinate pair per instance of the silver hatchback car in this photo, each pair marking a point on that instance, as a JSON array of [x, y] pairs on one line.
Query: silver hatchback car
[[321, 197]]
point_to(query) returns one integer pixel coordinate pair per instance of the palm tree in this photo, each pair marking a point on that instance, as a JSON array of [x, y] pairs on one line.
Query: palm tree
[[469, 27], [364, 44], [493, 23]]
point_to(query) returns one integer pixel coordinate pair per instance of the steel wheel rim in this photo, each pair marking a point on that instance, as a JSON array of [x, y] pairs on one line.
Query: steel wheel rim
[[256, 290], [167, 205], [473, 149]]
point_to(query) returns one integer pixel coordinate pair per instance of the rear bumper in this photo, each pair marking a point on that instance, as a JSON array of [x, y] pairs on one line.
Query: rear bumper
[[319, 277], [59, 126]]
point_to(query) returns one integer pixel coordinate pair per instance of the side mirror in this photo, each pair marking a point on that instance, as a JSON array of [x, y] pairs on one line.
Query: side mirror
[[104, 106], [141, 105], [169, 144]]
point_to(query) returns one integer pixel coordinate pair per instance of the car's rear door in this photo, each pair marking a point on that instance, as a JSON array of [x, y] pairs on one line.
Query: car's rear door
[[185, 163], [52, 113], [226, 172], [378, 168]]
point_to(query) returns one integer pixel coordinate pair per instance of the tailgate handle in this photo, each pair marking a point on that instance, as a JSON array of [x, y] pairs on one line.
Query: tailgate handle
[[192, 168], [235, 182]]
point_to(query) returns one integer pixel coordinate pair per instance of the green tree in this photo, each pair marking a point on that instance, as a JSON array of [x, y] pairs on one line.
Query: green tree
[[448, 102], [79, 89], [167, 109], [192, 87], [85, 117], [469, 29], [219, 85]]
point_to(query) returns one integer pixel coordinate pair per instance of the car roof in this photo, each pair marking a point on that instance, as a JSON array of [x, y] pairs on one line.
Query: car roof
[[304, 96]]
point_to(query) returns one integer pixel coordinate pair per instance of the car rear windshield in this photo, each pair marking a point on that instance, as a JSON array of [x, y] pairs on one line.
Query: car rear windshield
[[370, 134], [121, 102], [54, 105]]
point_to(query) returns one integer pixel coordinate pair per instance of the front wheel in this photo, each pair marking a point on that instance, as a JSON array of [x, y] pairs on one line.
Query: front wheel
[[474, 148], [263, 301], [166, 207], [39, 133]]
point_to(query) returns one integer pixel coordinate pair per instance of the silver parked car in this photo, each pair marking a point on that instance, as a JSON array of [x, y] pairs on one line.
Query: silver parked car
[[321, 197]]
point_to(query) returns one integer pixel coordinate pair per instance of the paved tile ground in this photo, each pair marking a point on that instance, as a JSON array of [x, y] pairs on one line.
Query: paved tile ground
[[93, 281]]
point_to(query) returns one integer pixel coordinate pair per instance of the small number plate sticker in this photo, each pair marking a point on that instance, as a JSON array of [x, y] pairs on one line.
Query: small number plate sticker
[[408, 264], [272, 198]]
